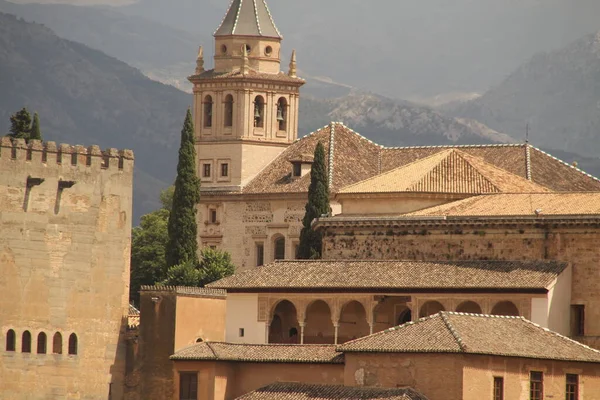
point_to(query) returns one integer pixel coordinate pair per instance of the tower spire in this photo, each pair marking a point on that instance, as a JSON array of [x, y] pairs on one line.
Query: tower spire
[[200, 61], [248, 18], [292, 71]]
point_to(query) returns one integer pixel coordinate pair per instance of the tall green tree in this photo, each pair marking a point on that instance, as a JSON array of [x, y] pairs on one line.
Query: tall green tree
[[148, 243], [35, 132], [20, 124], [317, 205], [183, 231]]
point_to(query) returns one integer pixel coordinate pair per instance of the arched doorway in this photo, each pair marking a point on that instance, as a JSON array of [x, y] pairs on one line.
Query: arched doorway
[[404, 316], [469, 307], [283, 323], [353, 322], [505, 308], [431, 307], [319, 327]]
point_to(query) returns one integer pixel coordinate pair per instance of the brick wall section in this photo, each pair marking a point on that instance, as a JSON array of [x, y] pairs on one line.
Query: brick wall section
[[577, 244], [64, 255]]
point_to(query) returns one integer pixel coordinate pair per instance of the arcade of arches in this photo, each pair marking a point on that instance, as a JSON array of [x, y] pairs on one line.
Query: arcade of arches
[[331, 319]]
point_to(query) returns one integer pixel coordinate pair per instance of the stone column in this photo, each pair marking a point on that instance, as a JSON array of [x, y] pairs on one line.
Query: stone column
[[267, 329], [301, 332], [335, 329]]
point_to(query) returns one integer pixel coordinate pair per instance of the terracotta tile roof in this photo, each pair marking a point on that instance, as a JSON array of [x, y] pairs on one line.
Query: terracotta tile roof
[[451, 332], [523, 160], [133, 317], [394, 275], [252, 74], [354, 158], [281, 353], [519, 204], [447, 171], [187, 290], [304, 391]]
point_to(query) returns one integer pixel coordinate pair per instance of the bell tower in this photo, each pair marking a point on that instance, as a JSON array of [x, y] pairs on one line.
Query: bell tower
[[245, 109]]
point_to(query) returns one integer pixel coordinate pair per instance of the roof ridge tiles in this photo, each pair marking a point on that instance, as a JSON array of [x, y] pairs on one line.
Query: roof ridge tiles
[[453, 331], [452, 146], [560, 336]]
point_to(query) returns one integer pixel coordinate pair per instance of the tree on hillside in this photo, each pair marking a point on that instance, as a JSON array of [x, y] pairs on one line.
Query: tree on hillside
[[148, 243], [214, 265], [182, 246], [317, 205], [20, 124], [35, 132]]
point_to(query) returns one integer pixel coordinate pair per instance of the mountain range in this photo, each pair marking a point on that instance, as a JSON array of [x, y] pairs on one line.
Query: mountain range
[[556, 94]]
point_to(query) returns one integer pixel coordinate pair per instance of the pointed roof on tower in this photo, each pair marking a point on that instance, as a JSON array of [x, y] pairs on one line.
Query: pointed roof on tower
[[248, 18]]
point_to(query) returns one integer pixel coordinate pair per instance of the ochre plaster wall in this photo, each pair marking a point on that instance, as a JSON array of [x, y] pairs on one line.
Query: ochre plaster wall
[[479, 373], [576, 245], [65, 268], [199, 317], [437, 376], [372, 205], [225, 380]]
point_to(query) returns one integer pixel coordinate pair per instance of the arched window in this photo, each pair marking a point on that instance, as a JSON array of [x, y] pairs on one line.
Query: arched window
[[41, 343], [279, 248], [208, 111], [11, 340], [431, 307], [26, 342], [73, 344], [404, 317], [507, 308], [57, 343], [469, 307], [228, 122], [282, 113], [259, 112]]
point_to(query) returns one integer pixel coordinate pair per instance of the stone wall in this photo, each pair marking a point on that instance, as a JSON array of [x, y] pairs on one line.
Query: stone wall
[[225, 380], [576, 243], [243, 224], [65, 230]]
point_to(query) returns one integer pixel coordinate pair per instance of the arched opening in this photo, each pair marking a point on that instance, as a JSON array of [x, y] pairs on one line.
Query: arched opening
[[279, 248], [26, 342], [404, 317], [259, 112], [208, 111], [73, 344], [505, 308], [199, 340], [284, 326], [41, 343], [431, 307], [11, 340], [319, 327], [353, 322], [469, 307], [57, 343], [228, 109], [282, 113]]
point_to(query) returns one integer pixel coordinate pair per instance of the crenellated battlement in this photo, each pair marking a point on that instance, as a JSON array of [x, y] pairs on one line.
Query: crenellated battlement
[[64, 154]]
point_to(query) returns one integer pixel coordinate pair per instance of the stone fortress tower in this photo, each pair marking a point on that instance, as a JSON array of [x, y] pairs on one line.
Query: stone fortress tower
[[245, 109], [65, 233]]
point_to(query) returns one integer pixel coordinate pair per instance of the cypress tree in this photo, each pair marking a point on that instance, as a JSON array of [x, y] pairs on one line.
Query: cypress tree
[[20, 124], [317, 205], [35, 132], [182, 246]]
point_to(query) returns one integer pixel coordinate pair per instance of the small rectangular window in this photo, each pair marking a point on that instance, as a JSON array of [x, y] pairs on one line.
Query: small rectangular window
[[297, 167], [206, 170], [536, 385], [572, 387], [241, 332], [213, 216], [577, 320], [498, 388], [188, 386], [260, 254], [224, 170]]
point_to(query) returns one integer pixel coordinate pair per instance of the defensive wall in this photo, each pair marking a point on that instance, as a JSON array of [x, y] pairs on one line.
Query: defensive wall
[[65, 233]]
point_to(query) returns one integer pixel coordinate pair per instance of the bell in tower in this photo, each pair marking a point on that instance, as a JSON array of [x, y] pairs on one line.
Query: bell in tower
[[245, 108]]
